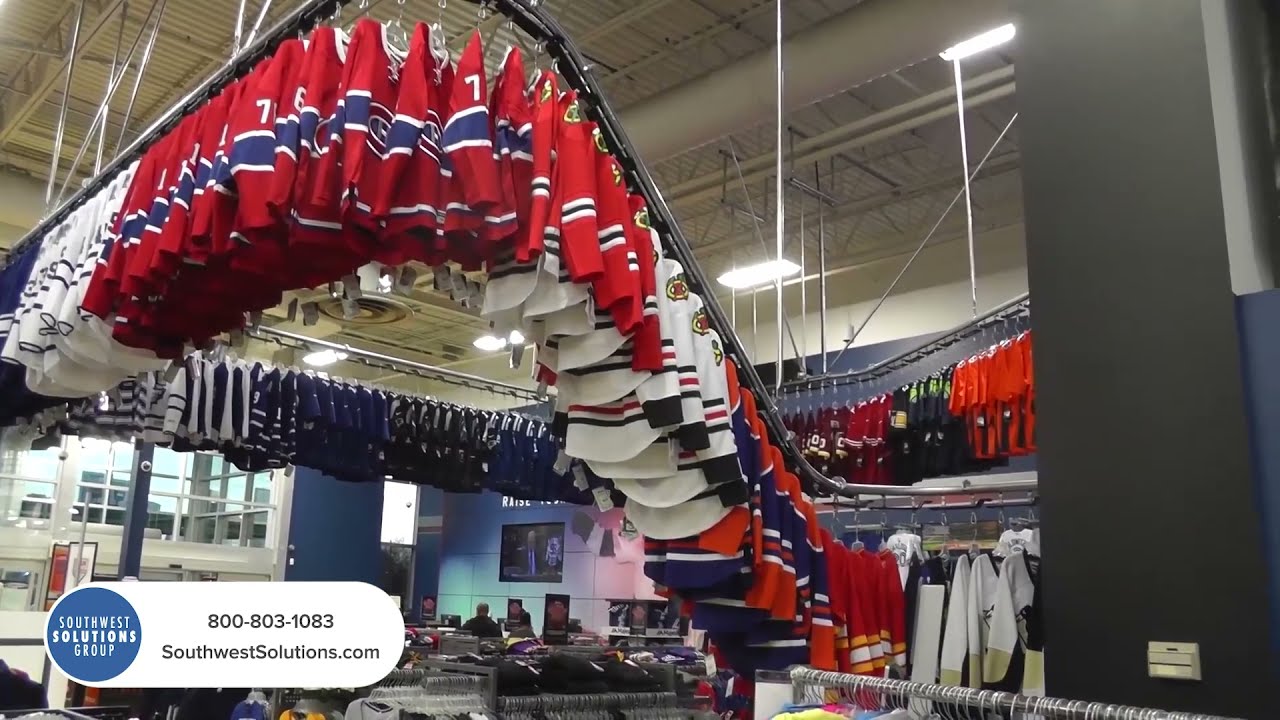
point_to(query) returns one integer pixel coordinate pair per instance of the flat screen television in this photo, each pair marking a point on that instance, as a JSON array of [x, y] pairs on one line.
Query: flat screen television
[[532, 552]]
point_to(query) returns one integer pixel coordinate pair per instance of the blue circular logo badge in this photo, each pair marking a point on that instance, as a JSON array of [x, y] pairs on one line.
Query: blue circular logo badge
[[93, 634]]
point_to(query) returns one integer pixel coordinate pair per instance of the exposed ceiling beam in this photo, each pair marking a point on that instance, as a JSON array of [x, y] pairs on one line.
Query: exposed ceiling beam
[[859, 133], [997, 165], [48, 72]]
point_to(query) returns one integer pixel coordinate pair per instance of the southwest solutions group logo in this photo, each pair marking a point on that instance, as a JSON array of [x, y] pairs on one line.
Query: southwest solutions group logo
[[93, 634]]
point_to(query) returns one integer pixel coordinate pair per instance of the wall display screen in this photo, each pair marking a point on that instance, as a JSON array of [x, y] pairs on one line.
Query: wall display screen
[[532, 553]]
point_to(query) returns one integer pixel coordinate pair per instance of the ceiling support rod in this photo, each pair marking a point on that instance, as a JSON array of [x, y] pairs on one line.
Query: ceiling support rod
[[920, 248], [61, 131], [103, 109]]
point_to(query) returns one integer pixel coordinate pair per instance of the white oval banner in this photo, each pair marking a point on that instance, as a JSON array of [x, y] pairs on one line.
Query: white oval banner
[[232, 634]]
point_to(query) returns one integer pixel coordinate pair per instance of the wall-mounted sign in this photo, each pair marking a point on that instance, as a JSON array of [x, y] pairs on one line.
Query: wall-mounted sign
[[70, 566], [555, 619], [509, 502]]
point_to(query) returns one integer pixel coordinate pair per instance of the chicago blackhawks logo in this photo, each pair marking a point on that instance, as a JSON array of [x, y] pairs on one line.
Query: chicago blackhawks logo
[[617, 174], [573, 114], [700, 323], [717, 352], [642, 218], [677, 288], [546, 91], [599, 138]]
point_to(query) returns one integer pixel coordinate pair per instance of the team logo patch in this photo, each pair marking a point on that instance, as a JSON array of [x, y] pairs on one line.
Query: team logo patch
[[700, 323], [677, 288], [573, 114], [546, 91], [599, 138], [617, 175], [717, 352]]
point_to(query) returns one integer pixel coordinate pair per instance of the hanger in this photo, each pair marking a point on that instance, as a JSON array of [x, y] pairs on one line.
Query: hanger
[[974, 550], [395, 33]]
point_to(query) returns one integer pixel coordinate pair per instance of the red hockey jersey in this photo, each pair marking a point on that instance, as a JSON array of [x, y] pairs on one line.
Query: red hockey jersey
[[473, 187], [513, 130], [546, 129], [358, 136], [409, 199]]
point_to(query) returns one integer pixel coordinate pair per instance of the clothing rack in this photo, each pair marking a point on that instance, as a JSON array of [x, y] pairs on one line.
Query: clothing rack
[[587, 702], [67, 713], [436, 681], [1002, 313], [286, 338], [578, 72], [665, 673], [487, 675], [808, 684]]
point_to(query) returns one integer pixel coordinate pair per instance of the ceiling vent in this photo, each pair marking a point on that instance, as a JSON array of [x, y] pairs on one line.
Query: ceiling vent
[[366, 299]]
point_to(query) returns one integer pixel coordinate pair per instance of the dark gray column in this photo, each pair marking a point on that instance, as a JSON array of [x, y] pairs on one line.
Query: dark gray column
[[135, 513], [1150, 530]]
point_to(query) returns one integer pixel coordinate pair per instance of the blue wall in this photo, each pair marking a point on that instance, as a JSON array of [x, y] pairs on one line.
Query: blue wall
[[470, 545], [335, 529], [1259, 316], [426, 571]]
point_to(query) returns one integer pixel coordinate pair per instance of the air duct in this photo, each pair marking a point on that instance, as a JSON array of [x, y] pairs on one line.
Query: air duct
[[872, 39]]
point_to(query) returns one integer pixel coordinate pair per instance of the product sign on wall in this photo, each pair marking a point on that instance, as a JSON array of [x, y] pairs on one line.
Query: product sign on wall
[[70, 566], [555, 619], [646, 618], [515, 607], [428, 606]]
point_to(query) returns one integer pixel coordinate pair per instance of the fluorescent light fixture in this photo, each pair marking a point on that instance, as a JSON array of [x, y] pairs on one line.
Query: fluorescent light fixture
[[978, 43], [515, 337], [489, 343], [761, 274], [322, 358]]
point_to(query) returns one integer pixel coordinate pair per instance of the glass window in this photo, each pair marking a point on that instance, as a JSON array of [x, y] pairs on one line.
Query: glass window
[[257, 524], [162, 514], [195, 497], [237, 487], [92, 495], [166, 484], [169, 463], [95, 453]]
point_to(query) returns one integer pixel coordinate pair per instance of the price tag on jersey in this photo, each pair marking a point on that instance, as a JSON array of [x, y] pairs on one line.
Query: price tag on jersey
[[603, 500], [351, 287], [898, 420], [405, 280], [628, 531]]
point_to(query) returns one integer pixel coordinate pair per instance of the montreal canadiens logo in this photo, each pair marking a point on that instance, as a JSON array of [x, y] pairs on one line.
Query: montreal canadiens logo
[[380, 119]]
